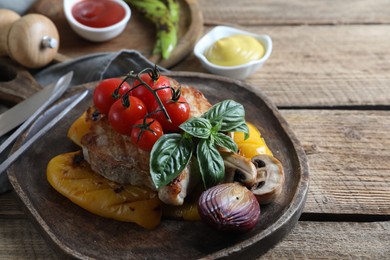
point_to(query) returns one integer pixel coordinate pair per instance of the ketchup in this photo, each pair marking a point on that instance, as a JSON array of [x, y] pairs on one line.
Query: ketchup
[[98, 13]]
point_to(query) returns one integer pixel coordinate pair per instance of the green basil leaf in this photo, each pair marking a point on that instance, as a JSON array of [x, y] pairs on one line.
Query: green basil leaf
[[169, 156], [211, 164], [216, 127], [198, 127], [225, 141], [229, 112]]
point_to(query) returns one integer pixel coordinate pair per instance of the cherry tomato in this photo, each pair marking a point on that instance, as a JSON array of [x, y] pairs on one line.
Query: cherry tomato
[[178, 111], [146, 95], [103, 95], [122, 118], [145, 134]]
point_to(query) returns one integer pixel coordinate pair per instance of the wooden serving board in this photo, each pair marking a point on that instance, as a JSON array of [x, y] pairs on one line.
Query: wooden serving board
[[139, 34], [77, 233], [16, 83]]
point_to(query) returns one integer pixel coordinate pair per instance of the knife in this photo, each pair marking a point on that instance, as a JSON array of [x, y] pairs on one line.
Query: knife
[[39, 101], [74, 101]]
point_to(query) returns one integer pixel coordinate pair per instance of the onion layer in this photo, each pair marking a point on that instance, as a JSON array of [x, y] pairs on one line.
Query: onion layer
[[229, 207]]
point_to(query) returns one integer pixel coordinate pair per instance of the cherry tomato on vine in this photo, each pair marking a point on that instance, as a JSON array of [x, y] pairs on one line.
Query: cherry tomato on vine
[[145, 133], [103, 95], [178, 111], [122, 118], [145, 94]]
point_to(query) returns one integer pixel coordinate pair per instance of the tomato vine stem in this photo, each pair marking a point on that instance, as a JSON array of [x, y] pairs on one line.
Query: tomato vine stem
[[155, 75], [144, 127]]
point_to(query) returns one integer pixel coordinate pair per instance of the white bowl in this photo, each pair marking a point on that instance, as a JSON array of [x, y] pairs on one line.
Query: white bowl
[[236, 72], [96, 34]]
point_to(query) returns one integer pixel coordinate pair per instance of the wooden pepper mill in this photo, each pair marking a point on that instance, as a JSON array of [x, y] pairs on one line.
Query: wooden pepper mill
[[31, 40]]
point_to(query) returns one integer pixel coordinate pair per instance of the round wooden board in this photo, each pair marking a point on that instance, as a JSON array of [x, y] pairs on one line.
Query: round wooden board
[[77, 233], [139, 34]]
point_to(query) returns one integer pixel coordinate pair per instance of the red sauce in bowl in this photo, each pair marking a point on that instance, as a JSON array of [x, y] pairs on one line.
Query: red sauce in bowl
[[98, 13]]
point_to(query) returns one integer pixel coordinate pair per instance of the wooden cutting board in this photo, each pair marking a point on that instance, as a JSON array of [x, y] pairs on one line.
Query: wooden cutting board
[[139, 34], [16, 83]]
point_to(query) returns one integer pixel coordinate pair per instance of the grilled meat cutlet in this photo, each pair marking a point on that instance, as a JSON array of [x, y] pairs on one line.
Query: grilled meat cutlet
[[115, 157]]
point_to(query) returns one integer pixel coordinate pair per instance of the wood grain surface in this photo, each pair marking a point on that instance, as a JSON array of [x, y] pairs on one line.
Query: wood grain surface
[[295, 12], [329, 75], [312, 66], [308, 240], [330, 240], [349, 155]]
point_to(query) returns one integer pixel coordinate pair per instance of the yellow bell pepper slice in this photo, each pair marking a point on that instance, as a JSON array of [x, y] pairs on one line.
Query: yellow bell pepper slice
[[71, 176], [250, 150], [254, 135], [187, 211], [79, 128], [252, 146]]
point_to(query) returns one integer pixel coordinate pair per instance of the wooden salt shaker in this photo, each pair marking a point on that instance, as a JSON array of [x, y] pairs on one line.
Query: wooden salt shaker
[[31, 40]]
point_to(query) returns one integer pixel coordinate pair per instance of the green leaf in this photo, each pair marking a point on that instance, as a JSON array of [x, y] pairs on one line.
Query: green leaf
[[229, 112], [225, 141], [216, 127], [172, 152], [169, 156], [198, 127], [210, 162]]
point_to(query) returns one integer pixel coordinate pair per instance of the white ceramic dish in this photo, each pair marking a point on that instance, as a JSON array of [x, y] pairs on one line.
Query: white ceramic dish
[[96, 34], [237, 72]]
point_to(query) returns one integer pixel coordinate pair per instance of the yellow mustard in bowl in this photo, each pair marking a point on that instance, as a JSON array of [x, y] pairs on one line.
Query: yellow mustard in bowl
[[235, 50]]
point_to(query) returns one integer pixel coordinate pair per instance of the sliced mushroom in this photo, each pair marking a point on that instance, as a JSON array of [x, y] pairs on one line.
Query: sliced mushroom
[[239, 169], [270, 178]]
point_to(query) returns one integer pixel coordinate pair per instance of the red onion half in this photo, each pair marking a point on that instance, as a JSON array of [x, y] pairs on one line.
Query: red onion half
[[229, 207]]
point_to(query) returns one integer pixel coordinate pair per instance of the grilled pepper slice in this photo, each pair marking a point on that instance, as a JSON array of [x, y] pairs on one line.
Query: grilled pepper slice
[[72, 176], [252, 146]]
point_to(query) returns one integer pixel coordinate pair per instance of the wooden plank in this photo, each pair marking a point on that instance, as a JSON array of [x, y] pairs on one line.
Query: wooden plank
[[313, 66], [10, 205], [330, 240], [308, 240], [271, 12], [349, 159], [20, 240]]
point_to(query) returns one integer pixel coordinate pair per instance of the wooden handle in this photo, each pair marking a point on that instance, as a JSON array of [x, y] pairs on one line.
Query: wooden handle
[[31, 40], [60, 58], [34, 52], [16, 83], [7, 19]]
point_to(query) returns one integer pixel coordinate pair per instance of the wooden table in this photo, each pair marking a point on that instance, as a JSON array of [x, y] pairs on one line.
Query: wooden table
[[329, 74]]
